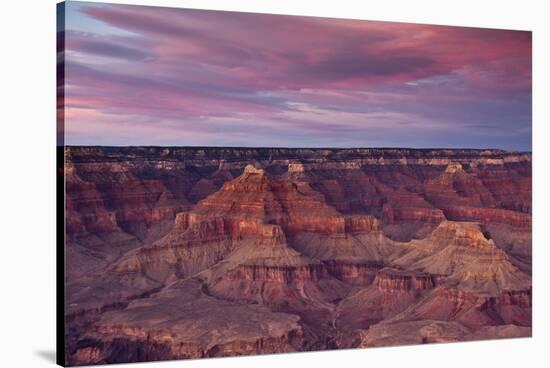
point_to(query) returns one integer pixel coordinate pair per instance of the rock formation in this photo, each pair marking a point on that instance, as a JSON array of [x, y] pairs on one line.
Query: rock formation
[[179, 253]]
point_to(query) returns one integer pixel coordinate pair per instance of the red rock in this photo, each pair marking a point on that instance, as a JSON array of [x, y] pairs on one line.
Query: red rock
[[403, 205], [389, 279], [362, 273], [195, 252], [518, 220]]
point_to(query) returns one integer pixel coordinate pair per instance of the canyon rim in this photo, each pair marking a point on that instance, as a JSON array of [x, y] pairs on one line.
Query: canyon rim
[[223, 193]]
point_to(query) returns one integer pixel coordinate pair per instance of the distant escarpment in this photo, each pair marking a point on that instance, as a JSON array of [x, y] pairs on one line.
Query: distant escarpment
[[196, 252]]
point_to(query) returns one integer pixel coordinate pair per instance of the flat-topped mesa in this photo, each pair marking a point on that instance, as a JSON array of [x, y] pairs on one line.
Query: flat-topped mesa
[[389, 279]]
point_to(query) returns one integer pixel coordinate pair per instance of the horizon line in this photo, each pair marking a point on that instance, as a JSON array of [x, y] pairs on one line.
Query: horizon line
[[297, 148]]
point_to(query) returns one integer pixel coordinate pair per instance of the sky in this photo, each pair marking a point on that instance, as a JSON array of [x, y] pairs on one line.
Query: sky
[[137, 75]]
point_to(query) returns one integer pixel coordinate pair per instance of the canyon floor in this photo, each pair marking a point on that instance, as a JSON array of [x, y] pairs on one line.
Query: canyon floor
[[175, 252]]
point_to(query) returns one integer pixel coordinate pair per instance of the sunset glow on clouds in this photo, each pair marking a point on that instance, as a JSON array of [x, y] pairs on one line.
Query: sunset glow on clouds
[[162, 76]]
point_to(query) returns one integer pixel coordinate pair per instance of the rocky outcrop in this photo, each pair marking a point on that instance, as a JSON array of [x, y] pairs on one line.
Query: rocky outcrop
[[448, 315], [427, 332], [391, 292], [358, 273], [283, 275], [467, 256], [182, 323], [270, 272], [403, 205], [518, 220], [416, 332], [499, 332], [389, 280], [472, 310], [512, 307], [103, 198], [425, 215], [257, 195]]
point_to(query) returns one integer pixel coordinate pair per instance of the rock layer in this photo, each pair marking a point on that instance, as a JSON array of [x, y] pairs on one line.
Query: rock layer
[[180, 253]]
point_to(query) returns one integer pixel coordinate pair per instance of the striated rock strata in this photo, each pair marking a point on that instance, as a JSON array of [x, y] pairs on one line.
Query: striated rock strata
[[177, 253]]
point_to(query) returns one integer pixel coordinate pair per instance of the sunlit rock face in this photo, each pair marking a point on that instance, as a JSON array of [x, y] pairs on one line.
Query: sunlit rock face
[[177, 253]]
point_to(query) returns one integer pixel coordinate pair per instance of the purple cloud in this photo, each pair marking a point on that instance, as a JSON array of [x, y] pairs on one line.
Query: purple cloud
[[293, 81]]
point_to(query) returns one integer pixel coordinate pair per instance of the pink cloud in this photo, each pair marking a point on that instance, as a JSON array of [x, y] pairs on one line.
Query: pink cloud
[[187, 65]]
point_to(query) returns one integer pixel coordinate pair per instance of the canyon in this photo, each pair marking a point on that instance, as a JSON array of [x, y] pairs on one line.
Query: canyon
[[192, 252]]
